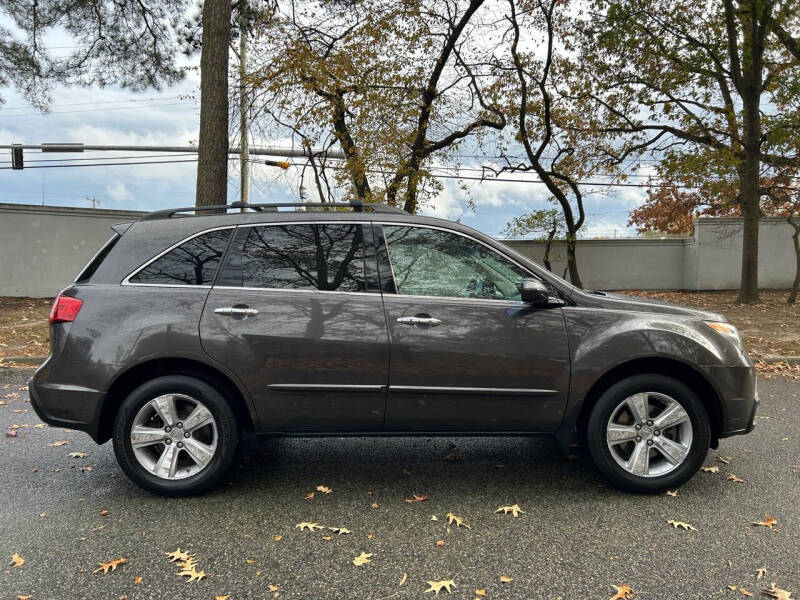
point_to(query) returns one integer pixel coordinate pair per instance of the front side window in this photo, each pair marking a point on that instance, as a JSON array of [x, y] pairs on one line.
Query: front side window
[[194, 262], [432, 262], [324, 256]]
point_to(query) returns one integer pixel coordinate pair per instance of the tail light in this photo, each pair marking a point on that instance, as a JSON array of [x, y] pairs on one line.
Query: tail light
[[65, 309]]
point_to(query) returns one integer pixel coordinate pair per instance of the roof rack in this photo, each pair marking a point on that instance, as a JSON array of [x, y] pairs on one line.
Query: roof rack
[[356, 206]]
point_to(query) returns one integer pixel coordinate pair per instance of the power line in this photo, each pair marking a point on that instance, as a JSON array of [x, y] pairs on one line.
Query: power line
[[66, 112], [94, 103], [110, 164]]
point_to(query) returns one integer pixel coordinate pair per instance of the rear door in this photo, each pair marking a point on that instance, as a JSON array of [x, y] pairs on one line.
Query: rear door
[[296, 313], [466, 353]]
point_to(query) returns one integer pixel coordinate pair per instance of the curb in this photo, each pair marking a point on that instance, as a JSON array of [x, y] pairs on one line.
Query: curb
[[776, 358], [26, 360]]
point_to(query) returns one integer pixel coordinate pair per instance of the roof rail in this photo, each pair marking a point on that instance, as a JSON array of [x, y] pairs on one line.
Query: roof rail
[[273, 207]]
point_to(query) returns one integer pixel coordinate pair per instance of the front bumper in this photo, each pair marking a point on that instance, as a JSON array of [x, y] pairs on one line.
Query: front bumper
[[737, 389]]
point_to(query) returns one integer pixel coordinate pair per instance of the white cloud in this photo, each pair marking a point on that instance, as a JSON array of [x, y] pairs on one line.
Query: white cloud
[[119, 193]]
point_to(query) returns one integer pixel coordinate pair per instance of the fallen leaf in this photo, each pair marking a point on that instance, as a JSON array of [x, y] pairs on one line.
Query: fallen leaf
[[441, 544], [137, 580], [222, 597], [685, 526], [777, 593], [362, 559], [451, 518], [274, 589], [324, 489], [725, 460], [714, 469], [744, 592], [436, 586], [374, 505], [761, 572], [480, 592], [403, 579], [734, 478], [250, 561], [17, 561], [24, 597], [733, 588], [178, 556], [513, 509], [310, 526], [277, 538], [417, 498], [40, 426], [309, 496], [340, 530], [624, 592], [112, 564], [43, 514], [11, 433], [192, 574], [78, 454], [434, 518], [506, 579], [59, 443], [767, 522], [103, 513], [327, 538], [672, 493]]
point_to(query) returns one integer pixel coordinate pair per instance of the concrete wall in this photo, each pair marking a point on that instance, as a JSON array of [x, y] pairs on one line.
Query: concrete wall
[[43, 248]]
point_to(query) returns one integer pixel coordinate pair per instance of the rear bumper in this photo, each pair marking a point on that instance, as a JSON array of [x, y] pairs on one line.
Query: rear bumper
[[66, 405]]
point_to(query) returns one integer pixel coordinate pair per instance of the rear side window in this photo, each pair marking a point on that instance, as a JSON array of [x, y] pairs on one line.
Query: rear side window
[[194, 262], [322, 256], [98, 259]]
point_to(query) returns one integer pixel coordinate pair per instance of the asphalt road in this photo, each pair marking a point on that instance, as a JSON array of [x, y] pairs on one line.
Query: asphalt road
[[576, 537]]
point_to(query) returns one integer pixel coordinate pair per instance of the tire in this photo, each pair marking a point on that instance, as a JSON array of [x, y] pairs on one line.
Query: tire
[[175, 460], [641, 464]]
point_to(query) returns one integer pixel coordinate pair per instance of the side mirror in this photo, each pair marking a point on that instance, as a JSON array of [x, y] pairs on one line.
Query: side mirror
[[534, 292]]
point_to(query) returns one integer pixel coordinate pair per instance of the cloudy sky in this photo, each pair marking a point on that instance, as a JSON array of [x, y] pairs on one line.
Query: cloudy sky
[[171, 117]]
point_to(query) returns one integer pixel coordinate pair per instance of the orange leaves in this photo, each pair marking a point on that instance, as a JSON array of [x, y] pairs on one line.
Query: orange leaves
[[767, 522], [17, 561], [187, 563], [417, 498], [714, 469], [110, 565], [514, 510], [777, 593], [362, 559], [624, 592], [309, 526], [734, 478], [178, 555], [506, 579], [324, 489], [458, 521]]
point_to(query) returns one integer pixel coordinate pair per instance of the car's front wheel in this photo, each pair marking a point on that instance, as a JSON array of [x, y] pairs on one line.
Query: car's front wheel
[[648, 433], [175, 435]]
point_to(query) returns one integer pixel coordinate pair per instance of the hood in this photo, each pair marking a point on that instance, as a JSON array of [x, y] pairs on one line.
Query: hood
[[598, 299]]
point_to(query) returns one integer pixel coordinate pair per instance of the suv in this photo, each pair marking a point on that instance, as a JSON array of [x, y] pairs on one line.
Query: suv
[[348, 319]]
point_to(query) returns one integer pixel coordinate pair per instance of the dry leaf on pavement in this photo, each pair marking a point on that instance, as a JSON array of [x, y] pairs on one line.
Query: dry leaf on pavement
[[672, 493], [112, 565], [17, 561], [324, 489], [767, 522], [624, 592], [506, 579], [459, 522], [178, 556], [734, 478], [310, 526], [59, 443], [222, 597], [77, 454], [362, 559], [513, 509], [683, 525], [777, 593], [403, 579], [417, 498], [137, 580], [441, 544], [714, 469], [340, 530], [761, 572], [436, 586]]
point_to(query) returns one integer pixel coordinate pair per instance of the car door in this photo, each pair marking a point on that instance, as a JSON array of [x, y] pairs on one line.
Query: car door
[[466, 353], [296, 313]]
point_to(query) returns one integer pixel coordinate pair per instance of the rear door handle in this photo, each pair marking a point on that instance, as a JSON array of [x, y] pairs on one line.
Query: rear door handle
[[233, 310], [418, 321]]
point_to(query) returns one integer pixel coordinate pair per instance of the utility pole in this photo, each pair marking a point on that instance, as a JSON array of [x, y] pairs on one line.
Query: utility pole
[[93, 200], [244, 165]]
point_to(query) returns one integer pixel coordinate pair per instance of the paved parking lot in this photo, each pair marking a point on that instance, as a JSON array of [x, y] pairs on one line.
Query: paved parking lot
[[575, 539]]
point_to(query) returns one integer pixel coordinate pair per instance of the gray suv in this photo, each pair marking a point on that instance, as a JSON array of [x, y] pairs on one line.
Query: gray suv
[[191, 326]]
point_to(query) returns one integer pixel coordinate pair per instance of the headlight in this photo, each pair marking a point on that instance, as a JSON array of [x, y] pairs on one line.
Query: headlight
[[726, 329]]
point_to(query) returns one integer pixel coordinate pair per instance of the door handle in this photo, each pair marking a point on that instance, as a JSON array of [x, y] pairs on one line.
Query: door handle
[[233, 310], [418, 321]]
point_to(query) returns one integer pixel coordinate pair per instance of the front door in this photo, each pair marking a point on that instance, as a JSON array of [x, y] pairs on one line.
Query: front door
[[466, 353], [296, 315]]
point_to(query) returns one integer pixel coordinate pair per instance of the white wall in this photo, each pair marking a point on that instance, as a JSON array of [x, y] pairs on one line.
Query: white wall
[[43, 248]]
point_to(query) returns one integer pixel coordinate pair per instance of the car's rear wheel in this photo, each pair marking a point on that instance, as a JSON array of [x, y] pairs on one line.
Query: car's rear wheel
[[648, 433], [175, 435]]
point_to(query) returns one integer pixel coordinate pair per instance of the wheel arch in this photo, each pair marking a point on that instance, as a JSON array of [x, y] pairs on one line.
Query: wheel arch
[[704, 389], [131, 378]]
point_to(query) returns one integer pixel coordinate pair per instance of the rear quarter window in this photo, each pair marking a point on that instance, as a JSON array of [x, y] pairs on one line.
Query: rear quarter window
[[97, 260], [194, 262]]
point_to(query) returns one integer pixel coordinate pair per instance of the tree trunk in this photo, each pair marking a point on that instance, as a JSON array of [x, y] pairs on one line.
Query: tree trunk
[[212, 164], [572, 260], [548, 246], [749, 201], [796, 239]]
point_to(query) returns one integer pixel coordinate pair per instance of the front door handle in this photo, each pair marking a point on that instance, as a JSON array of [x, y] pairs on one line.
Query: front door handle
[[418, 321], [235, 310]]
